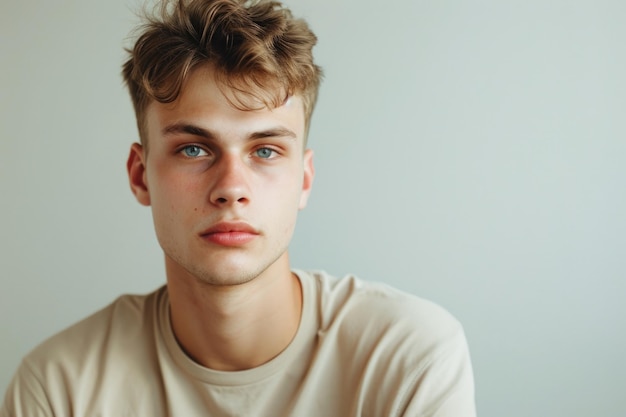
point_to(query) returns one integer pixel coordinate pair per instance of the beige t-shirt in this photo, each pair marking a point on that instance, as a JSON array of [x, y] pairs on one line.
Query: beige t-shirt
[[361, 349]]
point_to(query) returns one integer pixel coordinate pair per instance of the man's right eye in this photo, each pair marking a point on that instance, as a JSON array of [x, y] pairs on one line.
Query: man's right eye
[[193, 151]]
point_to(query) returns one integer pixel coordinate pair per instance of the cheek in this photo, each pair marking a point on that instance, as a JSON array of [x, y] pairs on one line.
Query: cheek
[[286, 193], [174, 186], [170, 197], [288, 204]]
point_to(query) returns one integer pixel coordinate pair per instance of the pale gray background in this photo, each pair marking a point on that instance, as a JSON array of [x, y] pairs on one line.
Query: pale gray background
[[471, 152]]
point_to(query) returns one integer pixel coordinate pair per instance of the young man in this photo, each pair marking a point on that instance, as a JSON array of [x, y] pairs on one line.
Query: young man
[[223, 92]]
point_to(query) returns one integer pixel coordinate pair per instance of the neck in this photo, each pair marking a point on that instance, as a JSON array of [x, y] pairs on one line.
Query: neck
[[235, 327]]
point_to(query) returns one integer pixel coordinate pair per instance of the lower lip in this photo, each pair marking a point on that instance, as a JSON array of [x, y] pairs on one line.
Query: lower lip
[[230, 238]]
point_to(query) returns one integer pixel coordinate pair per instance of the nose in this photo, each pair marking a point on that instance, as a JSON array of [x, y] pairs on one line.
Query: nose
[[230, 184]]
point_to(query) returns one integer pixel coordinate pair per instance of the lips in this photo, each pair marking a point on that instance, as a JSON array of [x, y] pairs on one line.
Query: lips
[[230, 233]]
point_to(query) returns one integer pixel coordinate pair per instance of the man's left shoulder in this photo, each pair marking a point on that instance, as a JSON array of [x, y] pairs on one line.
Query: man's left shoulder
[[380, 312], [406, 354], [394, 310]]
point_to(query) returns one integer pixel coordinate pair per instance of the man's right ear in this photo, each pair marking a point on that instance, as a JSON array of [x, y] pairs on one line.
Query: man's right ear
[[136, 167]]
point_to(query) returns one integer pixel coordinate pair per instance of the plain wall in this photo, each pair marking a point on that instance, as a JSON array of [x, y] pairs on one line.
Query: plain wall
[[472, 153]]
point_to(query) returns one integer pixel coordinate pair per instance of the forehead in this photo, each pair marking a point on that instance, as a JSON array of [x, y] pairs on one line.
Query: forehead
[[210, 104]]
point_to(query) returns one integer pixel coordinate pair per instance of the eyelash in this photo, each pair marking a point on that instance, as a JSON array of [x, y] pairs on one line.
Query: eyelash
[[186, 147], [272, 154], [200, 150]]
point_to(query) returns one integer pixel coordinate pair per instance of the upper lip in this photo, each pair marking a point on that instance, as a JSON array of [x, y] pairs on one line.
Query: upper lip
[[227, 227]]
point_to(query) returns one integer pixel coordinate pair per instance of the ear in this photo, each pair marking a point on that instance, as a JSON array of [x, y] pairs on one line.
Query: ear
[[136, 167], [307, 182]]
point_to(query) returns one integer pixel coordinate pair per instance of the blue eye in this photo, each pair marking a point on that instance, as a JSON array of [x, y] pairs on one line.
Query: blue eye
[[264, 153], [192, 151]]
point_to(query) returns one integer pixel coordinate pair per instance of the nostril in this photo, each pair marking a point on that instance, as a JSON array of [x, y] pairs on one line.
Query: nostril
[[221, 200]]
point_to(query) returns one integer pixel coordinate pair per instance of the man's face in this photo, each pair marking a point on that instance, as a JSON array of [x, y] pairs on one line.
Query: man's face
[[225, 185]]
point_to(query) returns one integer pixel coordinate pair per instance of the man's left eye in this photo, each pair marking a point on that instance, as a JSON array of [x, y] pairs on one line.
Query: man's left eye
[[264, 153]]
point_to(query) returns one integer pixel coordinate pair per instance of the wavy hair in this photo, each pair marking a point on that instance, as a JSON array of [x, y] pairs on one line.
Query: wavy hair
[[256, 47]]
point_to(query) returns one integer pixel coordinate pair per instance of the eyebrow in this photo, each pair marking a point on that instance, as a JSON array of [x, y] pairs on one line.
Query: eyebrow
[[190, 129], [187, 128]]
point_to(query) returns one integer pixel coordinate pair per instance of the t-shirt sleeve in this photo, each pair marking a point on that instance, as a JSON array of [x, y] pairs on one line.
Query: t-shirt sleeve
[[445, 386], [25, 396]]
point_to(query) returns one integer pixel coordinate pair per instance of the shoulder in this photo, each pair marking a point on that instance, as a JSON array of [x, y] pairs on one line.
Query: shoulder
[[106, 332], [363, 317], [375, 306], [407, 353], [70, 364]]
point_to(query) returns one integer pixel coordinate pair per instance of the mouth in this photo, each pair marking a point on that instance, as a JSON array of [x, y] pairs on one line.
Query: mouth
[[230, 234]]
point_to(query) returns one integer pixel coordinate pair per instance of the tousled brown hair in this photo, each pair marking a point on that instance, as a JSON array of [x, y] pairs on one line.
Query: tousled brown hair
[[255, 47]]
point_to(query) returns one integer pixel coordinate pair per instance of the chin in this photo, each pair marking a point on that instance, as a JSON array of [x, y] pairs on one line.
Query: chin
[[226, 275], [224, 280]]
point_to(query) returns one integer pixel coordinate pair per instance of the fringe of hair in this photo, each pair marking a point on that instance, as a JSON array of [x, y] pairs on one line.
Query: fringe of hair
[[257, 48]]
